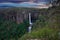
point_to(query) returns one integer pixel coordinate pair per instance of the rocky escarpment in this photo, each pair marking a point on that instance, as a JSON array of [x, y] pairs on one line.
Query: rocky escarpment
[[19, 15]]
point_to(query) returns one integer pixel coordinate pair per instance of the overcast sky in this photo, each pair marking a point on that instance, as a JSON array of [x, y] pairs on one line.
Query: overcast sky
[[23, 0]]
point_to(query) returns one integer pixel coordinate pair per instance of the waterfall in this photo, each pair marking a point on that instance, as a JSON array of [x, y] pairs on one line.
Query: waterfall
[[30, 26]]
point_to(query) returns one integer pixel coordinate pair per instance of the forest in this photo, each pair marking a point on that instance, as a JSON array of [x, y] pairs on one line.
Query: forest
[[14, 23]]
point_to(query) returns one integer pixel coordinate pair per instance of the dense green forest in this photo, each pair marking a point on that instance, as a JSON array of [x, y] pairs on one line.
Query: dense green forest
[[14, 24], [9, 28]]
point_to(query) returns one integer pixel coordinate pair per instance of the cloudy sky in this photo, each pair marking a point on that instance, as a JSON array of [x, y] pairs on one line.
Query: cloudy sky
[[24, 0]]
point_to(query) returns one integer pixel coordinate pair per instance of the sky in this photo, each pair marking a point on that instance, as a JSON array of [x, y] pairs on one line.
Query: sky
[[24, 0], [23, 4]]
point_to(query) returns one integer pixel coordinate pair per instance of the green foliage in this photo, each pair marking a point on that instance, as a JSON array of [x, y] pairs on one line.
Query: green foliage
[[40, 23], [9, 29], [46, 27], [44, 33], [42, 28]]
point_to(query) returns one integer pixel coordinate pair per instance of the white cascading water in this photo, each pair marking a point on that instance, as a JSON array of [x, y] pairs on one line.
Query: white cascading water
[[30, 26]]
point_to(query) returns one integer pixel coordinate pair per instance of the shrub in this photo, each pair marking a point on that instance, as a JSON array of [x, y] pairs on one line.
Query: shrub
[[9, 29], [44, 33]]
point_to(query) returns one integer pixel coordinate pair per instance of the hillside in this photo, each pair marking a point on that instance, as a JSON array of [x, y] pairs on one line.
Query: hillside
[[14, 23], [47, 27]]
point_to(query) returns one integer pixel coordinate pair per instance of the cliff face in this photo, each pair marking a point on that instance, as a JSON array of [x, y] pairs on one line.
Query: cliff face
[[19, 15]]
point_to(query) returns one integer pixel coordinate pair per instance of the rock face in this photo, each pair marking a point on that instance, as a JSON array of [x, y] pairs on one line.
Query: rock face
[[13, 15], [20, 15]]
